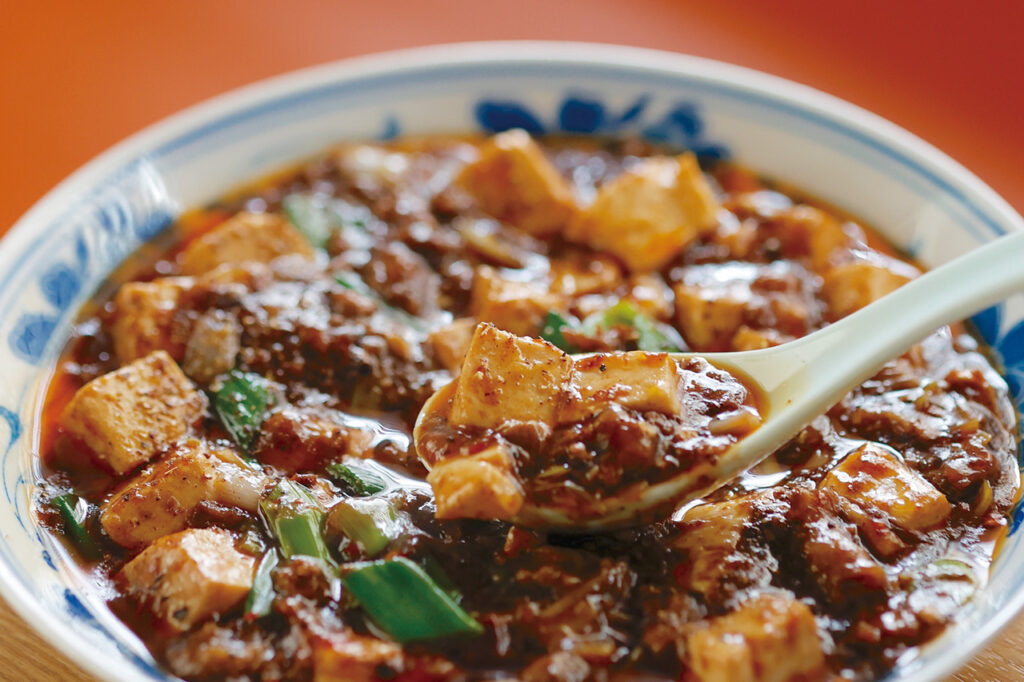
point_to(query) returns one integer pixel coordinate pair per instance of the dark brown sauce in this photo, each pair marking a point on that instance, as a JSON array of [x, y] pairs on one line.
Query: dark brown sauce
[[619, 604]]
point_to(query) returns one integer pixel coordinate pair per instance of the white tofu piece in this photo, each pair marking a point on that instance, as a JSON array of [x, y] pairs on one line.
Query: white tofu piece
[[212, 347], [507, 379], [710, 535], [709, 319], [345, 656], [244, 238], [582, 273], [715, 300], [839, 562], [513, 181], [131, 415], [190, 576], [478, 486], [851, 286], [746, 338], [651, 295], [807, 232], [636, 380], [160, 499], [451, 342], [516, 307], [771, 638], [145, 316], [876, 491], [650, 213]]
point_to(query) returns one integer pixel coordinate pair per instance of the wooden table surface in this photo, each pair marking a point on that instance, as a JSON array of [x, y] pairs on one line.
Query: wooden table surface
[[77, 77]]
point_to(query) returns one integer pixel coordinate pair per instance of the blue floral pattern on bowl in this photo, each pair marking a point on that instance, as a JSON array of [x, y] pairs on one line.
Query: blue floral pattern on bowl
[[681, 126]]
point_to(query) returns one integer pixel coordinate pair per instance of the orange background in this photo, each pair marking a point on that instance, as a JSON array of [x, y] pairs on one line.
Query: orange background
[[77, 76]]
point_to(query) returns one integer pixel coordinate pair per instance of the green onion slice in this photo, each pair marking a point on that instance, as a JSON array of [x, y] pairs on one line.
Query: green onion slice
[[371, 523], [360, 479], [403, 601], [74, 511], [261, 596], [551, 331], [241, 402], [295, 519]]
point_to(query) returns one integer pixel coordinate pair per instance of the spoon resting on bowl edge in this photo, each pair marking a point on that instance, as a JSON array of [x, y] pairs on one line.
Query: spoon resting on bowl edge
[[531, 435]]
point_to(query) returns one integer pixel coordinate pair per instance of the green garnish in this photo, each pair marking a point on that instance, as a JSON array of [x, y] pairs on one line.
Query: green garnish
[[361, 480], [241, 402], [74, 511], [295, 519], [317, 217], [651, 334], [403, 601], [261, 596], [309, 216], [551, 331], [371, 523], [952, 569]]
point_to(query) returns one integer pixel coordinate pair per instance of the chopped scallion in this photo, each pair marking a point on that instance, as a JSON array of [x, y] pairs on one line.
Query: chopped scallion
[[361, 480], [74, 511], [371, 523], [309, 216], [651, 334], [403, 601], [317, 217], [551, 331], [295, 519], [261, 596], [241, 402]]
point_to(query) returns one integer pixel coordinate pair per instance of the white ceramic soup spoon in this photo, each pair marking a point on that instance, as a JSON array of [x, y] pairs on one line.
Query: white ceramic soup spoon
[[802, 379]]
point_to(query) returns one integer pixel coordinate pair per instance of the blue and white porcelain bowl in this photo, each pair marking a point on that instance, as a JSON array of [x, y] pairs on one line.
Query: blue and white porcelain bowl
[[58, 254]]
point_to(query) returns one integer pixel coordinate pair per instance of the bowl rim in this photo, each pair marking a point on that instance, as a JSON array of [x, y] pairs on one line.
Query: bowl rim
[[65, 194]]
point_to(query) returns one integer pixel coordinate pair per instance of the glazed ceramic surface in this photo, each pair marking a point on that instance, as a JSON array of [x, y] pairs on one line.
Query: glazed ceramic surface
[[62, 250]]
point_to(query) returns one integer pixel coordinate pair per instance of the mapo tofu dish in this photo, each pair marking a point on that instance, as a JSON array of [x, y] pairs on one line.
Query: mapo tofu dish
[[227, 442]]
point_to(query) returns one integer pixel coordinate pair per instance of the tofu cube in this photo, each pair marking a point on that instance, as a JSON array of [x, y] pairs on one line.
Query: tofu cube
[[507, 379], [637, 380], [516, 307], [160, 500], [244, 238], [581, 273], [876, 491], [190, 576], [709, 320], [131, 415], [851, 286], [145, 318], [345, 656], [746, 338], [843, 568], [451, 342], [514, 182], [479, 486], [651, 295], [714, 301], [771, 638], [807, 232], [710, 536], [650, 213], [212, 347]]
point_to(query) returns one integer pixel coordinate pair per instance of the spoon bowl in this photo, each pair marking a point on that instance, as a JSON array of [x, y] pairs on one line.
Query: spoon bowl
[[799, 380]]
